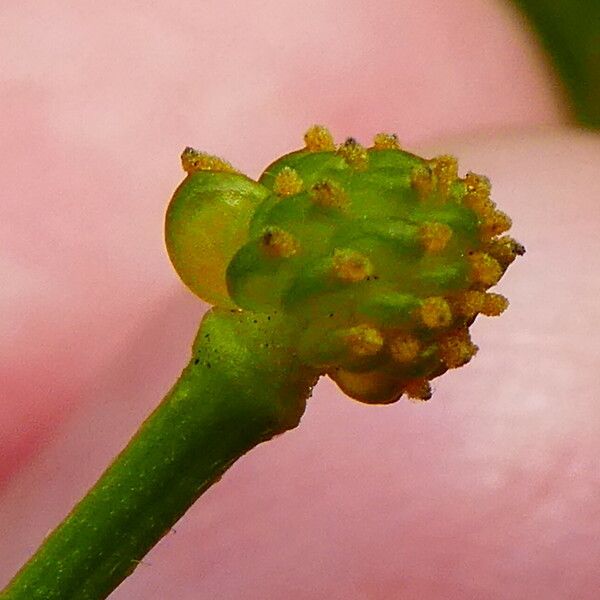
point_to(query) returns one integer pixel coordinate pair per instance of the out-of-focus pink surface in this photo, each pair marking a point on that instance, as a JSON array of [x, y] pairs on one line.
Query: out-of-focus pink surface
[[487, 491]]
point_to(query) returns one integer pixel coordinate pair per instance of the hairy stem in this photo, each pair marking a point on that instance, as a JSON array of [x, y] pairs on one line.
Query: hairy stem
[[242, 386]]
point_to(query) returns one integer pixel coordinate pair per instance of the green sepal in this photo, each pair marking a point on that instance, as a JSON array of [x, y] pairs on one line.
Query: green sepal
[[206, 223]]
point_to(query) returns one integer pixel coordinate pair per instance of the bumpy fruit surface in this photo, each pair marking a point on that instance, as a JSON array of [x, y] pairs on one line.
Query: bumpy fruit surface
[[383, 259]]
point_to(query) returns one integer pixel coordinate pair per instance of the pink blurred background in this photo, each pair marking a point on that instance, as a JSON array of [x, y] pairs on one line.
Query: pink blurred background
[[489, 490]]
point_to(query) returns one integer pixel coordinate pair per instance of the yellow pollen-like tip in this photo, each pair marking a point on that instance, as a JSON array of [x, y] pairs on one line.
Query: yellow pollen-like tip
[[481, 206], [477, 184], [485, 269], [477, 196], [329, 194], [456, 349], [469, 303], [494, 305], [505, 250], [435, 312], [278, 243], [421, 180], [287, 182], [354, 154], [193, 161], [352, 266], [386, 141], [364, 340], [435, 236], [418, 389], [405, 348], [494, 223], [446, 169], [319, 139]]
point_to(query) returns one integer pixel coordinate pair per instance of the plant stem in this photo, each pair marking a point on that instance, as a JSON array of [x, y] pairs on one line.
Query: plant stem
[[242, 386]]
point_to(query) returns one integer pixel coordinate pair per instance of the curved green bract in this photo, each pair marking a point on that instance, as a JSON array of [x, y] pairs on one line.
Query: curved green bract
[[380, 258], [206, 223]]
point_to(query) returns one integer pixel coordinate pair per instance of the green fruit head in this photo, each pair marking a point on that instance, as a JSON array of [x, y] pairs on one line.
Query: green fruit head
[[383, 259]]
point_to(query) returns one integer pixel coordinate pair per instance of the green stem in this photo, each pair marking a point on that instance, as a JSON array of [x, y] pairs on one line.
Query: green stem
[[242, 387]]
